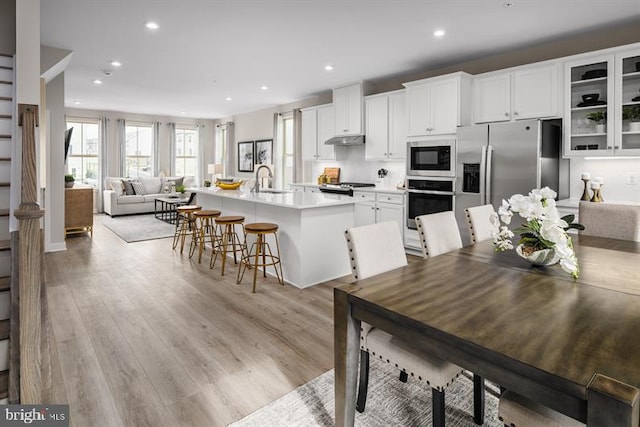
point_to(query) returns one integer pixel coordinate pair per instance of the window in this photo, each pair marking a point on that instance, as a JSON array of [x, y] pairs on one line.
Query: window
[[83, 160], [186, 155], [139, 150]]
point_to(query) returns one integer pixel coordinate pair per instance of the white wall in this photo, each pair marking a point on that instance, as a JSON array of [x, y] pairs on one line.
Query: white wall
[[54, 191], [615, 173]]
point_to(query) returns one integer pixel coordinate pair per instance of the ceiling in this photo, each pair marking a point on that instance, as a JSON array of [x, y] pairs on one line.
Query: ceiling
[[205, 51]]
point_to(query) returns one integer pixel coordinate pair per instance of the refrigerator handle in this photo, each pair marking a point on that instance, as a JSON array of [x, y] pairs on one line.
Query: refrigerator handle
[[483, 176], [488, 174]]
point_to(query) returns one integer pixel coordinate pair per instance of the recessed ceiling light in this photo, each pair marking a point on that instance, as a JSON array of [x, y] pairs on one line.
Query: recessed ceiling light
[[228, 98], [77, 102], [438, 33], [116, 64], [97, 82], [184, 113], [328, 67], [263, 87], [151, 25]]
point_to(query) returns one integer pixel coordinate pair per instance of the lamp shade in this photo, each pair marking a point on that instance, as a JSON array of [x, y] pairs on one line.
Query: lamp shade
[[211, 168], [219, 168]]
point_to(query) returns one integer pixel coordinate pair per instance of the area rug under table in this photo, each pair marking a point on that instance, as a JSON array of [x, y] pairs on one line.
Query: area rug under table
[[390, 402], [136, 228]]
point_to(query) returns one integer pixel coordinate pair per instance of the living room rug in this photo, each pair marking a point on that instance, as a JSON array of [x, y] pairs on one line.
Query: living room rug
[[136, 228], [390, 402]]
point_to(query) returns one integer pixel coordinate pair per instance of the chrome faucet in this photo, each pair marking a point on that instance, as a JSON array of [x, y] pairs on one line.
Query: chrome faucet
[[256, 188]]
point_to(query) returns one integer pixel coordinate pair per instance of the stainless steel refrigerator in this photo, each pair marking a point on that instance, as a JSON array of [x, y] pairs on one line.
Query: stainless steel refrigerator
[[495, 161]]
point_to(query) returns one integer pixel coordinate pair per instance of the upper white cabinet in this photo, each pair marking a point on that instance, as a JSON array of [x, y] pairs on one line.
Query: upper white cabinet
[[438, 105], [627, 106], [589, 101], [317, 127], [526, 93], [347, 102], [385, 126]]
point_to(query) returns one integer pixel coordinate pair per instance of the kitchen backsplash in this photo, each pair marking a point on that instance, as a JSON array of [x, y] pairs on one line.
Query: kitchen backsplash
[[615, 173], [354, 168]]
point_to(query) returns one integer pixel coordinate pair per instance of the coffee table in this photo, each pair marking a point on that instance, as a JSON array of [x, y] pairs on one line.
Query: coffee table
[[165, 208]]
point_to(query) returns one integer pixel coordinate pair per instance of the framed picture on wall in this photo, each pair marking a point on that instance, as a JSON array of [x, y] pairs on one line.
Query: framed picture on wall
[[264, 153], [245, 156]]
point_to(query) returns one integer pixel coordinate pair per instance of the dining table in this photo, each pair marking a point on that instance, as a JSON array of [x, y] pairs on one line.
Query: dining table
[[570, 344]]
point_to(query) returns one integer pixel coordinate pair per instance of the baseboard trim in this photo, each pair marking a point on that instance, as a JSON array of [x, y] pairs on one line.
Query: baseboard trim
[[55, 247]]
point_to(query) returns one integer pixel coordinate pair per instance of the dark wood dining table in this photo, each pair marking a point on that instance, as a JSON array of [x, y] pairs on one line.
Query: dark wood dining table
[[572, 345]]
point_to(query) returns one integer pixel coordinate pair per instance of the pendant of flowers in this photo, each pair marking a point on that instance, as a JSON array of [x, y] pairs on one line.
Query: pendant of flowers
[[543, 229]]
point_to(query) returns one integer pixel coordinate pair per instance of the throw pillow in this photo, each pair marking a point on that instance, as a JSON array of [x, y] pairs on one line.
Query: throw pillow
[[128, 188], [117, 187], [138, 188], [152, 185]]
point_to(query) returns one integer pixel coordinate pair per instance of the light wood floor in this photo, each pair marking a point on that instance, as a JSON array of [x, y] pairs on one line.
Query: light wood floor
[[143, 336]]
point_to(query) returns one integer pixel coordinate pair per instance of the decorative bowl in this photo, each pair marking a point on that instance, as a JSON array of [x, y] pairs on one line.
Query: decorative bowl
[[543, 257], [228, 186], [590, 97]]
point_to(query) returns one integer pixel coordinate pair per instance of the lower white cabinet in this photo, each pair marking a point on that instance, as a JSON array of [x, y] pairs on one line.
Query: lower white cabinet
[[371, 208]]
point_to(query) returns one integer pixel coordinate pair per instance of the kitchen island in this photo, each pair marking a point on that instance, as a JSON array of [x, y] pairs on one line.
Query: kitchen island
[[311, 228]]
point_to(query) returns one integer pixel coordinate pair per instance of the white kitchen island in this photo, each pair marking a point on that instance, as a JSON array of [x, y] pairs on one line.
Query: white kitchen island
[[311, 228]]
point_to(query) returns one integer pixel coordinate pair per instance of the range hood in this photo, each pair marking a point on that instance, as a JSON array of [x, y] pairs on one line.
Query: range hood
[[346, 140]]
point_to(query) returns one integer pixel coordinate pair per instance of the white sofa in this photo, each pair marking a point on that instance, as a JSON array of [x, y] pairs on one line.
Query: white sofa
[[116, 202]]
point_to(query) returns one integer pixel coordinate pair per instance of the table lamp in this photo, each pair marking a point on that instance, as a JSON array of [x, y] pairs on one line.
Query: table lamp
[[215, 169]]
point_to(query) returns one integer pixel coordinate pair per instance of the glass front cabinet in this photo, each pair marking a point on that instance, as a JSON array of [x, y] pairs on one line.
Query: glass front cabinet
[[602, 98]]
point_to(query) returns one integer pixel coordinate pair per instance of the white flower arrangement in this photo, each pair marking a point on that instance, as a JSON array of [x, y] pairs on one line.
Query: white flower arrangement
[[544, 229]]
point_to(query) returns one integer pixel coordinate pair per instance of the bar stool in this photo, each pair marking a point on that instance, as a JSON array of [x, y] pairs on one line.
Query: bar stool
[[228, 238], [205, 231], [185, 224], [260, 247]]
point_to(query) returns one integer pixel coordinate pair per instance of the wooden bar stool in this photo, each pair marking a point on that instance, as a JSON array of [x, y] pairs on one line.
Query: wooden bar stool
[[228, 238], [261, 247], [185, 224], [205, 231]]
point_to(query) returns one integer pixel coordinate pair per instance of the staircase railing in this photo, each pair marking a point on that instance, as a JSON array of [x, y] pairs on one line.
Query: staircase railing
[[33, 343]]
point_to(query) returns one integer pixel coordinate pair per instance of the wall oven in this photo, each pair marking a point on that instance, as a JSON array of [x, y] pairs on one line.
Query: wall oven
[[427, 195], [431, 158]]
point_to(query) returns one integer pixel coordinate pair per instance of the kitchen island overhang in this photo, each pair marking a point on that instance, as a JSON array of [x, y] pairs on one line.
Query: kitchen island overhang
[[311, 228]]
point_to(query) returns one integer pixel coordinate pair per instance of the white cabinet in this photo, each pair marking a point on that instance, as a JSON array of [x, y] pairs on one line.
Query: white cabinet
[[589, 100], [385, 126], [371, 208], [627, 106], [302, 188], [347, 101], [438, 105], [526, 93], [317, 127]]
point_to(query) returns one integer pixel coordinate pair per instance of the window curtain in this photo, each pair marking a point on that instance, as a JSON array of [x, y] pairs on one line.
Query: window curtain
[[277, 151], [156, 148], [202, 164], [104, 156], [122, 143], [172, 148], [231, 151], [297, 146]]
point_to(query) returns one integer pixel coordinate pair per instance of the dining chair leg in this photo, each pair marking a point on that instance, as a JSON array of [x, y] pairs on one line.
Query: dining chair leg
[[478, 399], [363, 384], [403, 376], [438, 407]]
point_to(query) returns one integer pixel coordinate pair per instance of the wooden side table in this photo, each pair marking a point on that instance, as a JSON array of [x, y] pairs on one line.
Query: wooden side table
[[78, 210]]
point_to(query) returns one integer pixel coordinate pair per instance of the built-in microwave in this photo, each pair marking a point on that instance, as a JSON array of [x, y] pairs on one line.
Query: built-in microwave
[[431, 158]]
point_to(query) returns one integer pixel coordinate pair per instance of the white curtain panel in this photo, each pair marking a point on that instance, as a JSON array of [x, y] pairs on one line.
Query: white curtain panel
[[231, 150], [172, 147], [202, 164], [297, 145], [104, 156], [122, 143], [277, 150], [156, 148]]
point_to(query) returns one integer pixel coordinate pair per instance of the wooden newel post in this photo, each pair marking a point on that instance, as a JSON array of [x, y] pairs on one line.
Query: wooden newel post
[[30, 262]]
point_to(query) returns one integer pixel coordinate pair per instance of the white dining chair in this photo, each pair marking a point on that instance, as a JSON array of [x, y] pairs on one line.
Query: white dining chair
[[614, 221], [479, 222], [375, 249], [517, 411], [438, 233]]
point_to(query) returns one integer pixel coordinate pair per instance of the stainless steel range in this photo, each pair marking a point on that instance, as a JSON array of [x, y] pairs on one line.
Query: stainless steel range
[[345, 188]]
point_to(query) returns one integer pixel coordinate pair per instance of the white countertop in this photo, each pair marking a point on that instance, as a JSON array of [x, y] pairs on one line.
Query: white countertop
[[291, 200], [365, 189]]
